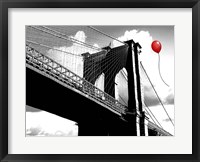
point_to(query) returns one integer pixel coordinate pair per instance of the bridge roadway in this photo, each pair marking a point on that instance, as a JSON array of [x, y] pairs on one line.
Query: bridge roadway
[[47, 90], [93, 117]]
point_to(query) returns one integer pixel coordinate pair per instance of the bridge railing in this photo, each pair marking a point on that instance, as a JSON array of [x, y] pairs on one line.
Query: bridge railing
[[161, 131], [54, 69]]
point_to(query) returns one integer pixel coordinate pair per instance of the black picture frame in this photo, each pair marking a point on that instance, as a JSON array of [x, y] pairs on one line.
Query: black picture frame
[[6, 4]]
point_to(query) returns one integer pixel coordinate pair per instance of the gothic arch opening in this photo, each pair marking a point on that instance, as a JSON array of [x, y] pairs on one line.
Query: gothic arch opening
[[99, 83], [121, 87]]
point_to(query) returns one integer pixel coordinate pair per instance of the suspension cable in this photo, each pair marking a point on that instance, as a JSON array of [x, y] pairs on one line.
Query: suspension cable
[[68, 39], [73, 39], [123, 100], [43, 45], [150, 116], [146, 106], [106, 35], [153, 115], [156, 93]]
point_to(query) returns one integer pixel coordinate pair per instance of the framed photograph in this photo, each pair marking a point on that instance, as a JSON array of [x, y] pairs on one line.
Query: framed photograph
[[104, 80]]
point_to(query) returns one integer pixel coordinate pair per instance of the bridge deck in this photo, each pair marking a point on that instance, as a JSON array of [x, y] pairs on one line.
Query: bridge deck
[[53, 70], [47, 67]]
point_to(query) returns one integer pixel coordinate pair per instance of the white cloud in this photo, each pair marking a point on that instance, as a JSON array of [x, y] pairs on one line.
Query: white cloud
[[71, 55], [46, 124], [80, 35]]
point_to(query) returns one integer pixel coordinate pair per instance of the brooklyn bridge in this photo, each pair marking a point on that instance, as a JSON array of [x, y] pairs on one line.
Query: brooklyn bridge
[[76, 80]]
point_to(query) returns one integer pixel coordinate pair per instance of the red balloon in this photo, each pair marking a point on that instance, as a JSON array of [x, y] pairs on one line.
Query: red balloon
[[156, 46]]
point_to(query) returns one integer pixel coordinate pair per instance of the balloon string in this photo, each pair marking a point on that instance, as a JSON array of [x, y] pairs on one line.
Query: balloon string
[[159, 70]]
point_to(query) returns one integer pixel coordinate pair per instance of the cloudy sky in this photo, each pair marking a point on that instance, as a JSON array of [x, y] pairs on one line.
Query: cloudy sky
[[38, 123]]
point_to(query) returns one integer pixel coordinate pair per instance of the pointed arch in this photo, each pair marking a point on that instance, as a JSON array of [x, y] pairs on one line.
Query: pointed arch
[[121, 87], [99, 83]]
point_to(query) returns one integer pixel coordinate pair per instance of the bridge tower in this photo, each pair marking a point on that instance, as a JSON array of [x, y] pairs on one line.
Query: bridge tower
[[135, 114], [124, 55]]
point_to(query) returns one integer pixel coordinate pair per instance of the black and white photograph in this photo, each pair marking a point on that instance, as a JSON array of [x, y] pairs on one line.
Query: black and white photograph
[[99, 80]]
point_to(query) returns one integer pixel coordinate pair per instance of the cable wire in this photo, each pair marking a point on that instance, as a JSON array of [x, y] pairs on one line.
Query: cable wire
[[156, 93]]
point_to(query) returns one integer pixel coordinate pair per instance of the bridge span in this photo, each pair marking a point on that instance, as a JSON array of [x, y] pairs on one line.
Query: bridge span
[[54, 88]]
